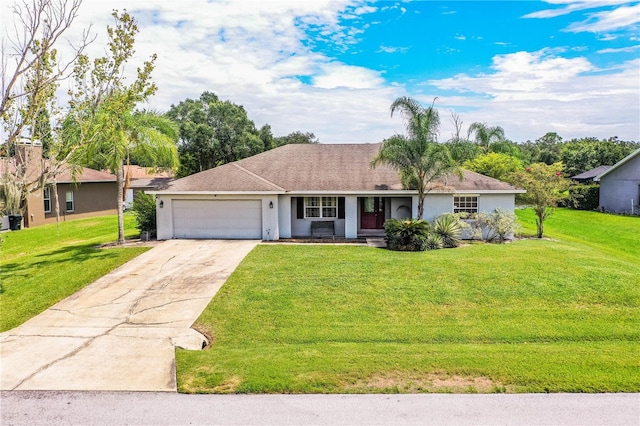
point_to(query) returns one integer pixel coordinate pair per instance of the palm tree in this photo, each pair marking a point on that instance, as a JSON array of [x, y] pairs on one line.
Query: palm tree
[[418, 157], [485, 135], [144, 135]]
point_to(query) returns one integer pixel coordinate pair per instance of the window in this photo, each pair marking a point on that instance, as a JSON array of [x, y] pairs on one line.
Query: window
[[320, 207], [46, 195], [465, 204], [69, 199]]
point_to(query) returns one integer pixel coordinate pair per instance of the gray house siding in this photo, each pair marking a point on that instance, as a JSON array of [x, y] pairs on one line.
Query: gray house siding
[[620, 188]]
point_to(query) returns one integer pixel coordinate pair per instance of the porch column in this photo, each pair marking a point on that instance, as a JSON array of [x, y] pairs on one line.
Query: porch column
[[351, 216], [284, 215]]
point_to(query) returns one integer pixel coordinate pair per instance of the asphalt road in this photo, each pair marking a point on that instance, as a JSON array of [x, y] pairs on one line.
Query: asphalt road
[[166, 408]]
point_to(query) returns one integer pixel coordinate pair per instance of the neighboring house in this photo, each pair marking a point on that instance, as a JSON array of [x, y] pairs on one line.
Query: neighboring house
[[142, 179], [620, 185], [590, 175], [293, 190], [93, 193]]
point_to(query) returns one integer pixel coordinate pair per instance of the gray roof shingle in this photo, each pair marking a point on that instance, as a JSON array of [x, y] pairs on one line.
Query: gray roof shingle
[[317, 167]]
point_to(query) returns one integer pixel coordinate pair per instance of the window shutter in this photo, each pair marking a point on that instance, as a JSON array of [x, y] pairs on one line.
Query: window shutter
[[300, 207], [340, 207]]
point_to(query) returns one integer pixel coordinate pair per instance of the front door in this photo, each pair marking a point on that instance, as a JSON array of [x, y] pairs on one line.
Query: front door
[[372, 213]]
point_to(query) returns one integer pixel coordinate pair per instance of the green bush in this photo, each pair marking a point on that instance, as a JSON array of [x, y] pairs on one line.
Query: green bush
[[144, 208], [585, 197], [433, 242], [406, 235], [448, 228], [499, 226]]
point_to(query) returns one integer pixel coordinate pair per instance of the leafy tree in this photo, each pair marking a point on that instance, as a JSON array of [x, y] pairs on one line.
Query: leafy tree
[[116, 132], [215, 132], [463, 150], [266, 137], [296, 137], [581, 155], [485, 135], [418, 157], [544, 150], [495, 165], [31, 73], [545, 186]]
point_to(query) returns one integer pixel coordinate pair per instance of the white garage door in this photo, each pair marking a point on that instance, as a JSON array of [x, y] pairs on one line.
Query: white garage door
[[239, 219]]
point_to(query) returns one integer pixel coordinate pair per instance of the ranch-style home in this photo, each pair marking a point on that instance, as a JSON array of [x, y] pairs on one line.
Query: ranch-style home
[[620, 185], [91, 193], [311, 190]]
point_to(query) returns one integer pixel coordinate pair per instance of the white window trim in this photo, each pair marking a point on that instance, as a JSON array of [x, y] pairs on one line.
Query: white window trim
[[67, 201], [476, 196], [321, 207], [46, 196]]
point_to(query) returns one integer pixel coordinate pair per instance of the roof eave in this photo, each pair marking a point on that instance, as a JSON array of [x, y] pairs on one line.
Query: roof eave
[[175, 192]]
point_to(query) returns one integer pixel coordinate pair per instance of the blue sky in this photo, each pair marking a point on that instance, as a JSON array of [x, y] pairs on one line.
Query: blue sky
[[333, 67]]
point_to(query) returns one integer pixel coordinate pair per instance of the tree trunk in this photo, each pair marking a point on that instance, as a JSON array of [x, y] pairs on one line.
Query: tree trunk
[[540, 223], [420, 207], [56, 202], [120, 182]]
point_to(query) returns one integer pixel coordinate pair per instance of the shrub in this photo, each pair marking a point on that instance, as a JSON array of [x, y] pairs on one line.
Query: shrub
[[585, 197], [499, 226], [144, 208], [433, 242], [448, 228], [406, 235]]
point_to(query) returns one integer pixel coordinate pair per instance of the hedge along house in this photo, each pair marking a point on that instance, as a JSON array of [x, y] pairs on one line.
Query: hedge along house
[[308, 190]]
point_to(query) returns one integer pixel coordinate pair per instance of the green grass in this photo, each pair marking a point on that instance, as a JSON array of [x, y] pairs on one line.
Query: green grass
[[551, 315], [41, 266]]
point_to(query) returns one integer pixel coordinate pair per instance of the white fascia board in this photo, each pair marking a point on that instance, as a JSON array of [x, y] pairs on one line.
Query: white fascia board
[[380, 193], [488, 191], [215, 193]]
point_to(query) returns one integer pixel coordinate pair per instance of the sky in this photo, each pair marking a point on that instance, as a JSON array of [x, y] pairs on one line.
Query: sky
[[333, 67]]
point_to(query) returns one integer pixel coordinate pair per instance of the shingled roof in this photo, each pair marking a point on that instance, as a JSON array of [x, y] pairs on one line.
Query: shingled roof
[[317, 167]]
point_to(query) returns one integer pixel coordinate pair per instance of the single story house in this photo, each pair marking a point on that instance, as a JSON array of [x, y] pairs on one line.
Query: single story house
[[620, 185], [93, 193], [294, 190]]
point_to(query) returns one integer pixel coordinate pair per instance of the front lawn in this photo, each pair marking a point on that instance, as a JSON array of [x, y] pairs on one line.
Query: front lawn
[[552, 315], [41, 266]]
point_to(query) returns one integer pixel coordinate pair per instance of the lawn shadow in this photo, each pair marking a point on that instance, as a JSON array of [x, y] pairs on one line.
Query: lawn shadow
[[59, 257]]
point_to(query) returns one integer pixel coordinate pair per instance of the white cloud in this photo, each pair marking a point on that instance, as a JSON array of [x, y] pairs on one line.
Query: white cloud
[[532, 93], [336, 75], [392, 49], [620, 16], [620, 49]]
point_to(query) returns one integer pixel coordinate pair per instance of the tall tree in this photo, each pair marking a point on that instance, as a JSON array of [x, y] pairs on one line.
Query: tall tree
[[214, 132], [116, 132], [494, 164], [418, 157], [581, 155], [485, 135], [31, 73], [295, 138]]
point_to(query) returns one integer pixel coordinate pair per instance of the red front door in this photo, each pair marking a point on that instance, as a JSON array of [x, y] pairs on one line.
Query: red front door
[[372, 213]]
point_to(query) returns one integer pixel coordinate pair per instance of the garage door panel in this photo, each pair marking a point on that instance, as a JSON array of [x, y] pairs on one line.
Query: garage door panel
[[240, 219]]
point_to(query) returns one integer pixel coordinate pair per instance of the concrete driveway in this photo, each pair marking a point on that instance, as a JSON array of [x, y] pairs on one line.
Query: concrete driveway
[[119, 333]]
